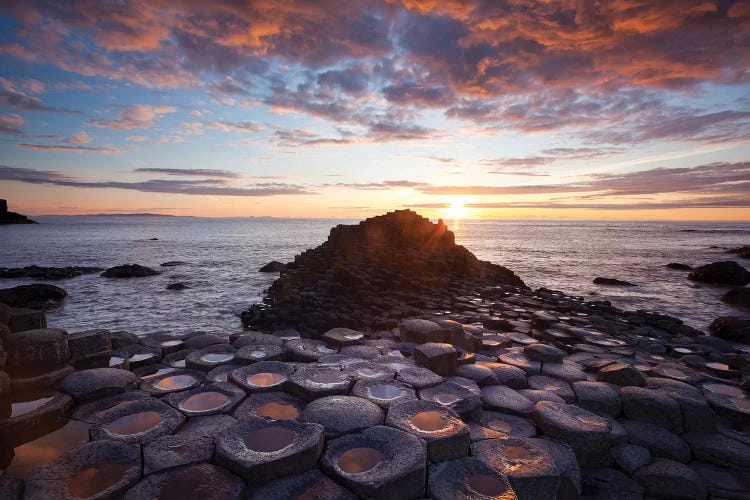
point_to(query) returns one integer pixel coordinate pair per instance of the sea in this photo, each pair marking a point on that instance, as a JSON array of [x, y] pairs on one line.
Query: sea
[[222, 257]]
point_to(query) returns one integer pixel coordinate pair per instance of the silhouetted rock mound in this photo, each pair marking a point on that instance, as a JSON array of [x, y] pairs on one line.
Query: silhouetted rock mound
[[727, 272], [743, 252], [46, 273], [177, 286], [273, 267], [12, 217], [35, 296], [678, 266], [129, 271], [612, 281], [737, 297], [731, 328], [364, 272]]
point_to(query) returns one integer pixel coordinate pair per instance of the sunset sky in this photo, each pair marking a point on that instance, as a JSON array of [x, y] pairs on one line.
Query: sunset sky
[[631, 109]]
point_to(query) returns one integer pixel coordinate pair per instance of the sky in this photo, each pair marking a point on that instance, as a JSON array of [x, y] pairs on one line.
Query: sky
[[593, 109]]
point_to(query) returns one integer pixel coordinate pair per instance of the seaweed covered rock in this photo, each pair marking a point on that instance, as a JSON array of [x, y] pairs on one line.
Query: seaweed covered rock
[[363, 272]]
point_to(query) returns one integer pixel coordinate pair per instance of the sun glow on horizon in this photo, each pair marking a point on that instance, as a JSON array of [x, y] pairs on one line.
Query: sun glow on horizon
[[457, 209]]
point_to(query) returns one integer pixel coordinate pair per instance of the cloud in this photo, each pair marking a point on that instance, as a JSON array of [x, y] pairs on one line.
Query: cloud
[[202, 172], [136, 116], [235, 127], [20, 101], [138, 138], [11, 124], [198, 187], [79, 138], [64, 149]]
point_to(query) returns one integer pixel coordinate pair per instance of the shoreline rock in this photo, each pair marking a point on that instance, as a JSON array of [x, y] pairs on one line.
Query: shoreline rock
[[7, 217], [129, 271], [612, 282], [47, 273], [727, 272]]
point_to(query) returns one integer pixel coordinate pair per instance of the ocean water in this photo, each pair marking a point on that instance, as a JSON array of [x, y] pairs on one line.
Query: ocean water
[[223, 257]]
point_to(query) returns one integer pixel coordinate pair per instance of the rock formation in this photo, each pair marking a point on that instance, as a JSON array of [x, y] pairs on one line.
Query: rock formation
[[365, 272], [12, 217]]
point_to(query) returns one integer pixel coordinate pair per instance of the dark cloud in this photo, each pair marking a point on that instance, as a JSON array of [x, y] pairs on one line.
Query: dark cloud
[[198, 187], [202, 172], [20, 101]]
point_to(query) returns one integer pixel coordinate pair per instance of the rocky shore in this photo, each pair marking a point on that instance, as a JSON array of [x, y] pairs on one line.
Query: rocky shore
[[7, 217], [387, 363]]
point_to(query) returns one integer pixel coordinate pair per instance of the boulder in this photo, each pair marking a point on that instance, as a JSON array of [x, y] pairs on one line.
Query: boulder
[[437, 357], [668, 479], [177, 286], [652, 406], [726, 272], [47, 273], [588, 434], [612, 282], [737, 297], [33, 352], [731, 328], [129, 271], [743, 252], [467, 478], [677, 266], [35, 296], [98, 383]]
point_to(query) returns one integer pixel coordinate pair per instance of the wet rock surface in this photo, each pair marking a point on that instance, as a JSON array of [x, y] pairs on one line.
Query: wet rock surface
[[129, 271], [451, 381]]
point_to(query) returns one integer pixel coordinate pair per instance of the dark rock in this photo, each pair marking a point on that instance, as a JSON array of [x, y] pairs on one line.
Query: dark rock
[[12, 217], [36, 351], [621, 374], [544, 353], [604, 483], [679, 266], [341, 415], [47, 273], [731, 328], [98, 383], [597, 397], [743, 252], [612, 281], [383, 393], [273, 267], [631, 457], [129, 271], [203, 481], [173, 263], [139, 421], [737, 297], [652, 406], [585, 432], [35, 296], [312, 485], [505, 399], [726, 272], [89, 342], [467, 478], [659, 441], [177, 286], [719, 449], [671, 480], [437, 357]]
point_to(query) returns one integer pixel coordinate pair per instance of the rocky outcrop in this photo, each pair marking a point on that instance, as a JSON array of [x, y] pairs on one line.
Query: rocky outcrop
[[731, 328], [273, 267], [129, 271], [12, 217], [36, 296], [46, 273], [737, 297], [743, 252], [364, 272], [727, 272], [679, 266], [612, 282]]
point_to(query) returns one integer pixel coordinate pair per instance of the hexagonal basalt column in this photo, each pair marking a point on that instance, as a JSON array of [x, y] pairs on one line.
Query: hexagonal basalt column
[[506, 400], [139, 421], [138, 355], [421, 331], [221, 373], [265, 376], [379, 463], [101, 469], [446, 435], [651, 406], [368, 371], [33, 414], [340, 337], [419, 377], [89, 342], [206, 480], [271, 405], [175, 381], [177, 359], [382, 393], [259, 449], [256, 353], [467, 478], [208, 399], [342, 414], [544, 353], [210, 357], [508, 425], [462, 400], [34, 352], [312, 484], [95, 411], [306, 350], [598, 397], [553, 385], [588, 434], [311, 383], [437, 357], [98, 383], [530, 470], [520, 360]]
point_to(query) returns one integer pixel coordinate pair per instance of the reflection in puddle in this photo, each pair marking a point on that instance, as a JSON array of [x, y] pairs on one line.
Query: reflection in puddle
[[175, 382], [743, 403], [205, 401], [171, 343], [359, 460], [179, 364], [155, 372], [517, 453], [728, 390], [93, 480], [429, 421], [269, 439], [140, 357], [116, 361], [487, 485], [257, 354], [717, 366], [326, 377], [369, 373], [385, 391], [134, 423], [500, 426], [217, 357], [22, 408], [265, 379], [445, 398], [47, 448], [278, 411]]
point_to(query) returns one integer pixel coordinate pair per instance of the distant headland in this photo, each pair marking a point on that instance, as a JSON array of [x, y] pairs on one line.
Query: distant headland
[[12, 217]]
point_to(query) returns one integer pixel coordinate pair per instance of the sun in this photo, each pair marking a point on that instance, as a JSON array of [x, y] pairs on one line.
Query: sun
[[457, 209]]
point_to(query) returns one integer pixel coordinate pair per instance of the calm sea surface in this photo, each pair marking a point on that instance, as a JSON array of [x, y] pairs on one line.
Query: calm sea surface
[[223, 257]]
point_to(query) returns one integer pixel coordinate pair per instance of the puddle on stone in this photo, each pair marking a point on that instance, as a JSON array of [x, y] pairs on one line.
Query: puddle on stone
[[278, 411], [93, 480], [174, 382], [134, 423], [326, 377], [682, 350], [269, 439], [257, 354], [325, 349], [717, 366], [205, 401], [116, 360], [353, 336], [217, 357], [265, 379], [486, 485], [445, 398], [728, 390], [179, 364], [24, 407], [140, 357], [742, 403], [500, 426], [369, 373], [171, 343], [47, 448], [517, 453], [429, 421], [385, 391], [359, 460]]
